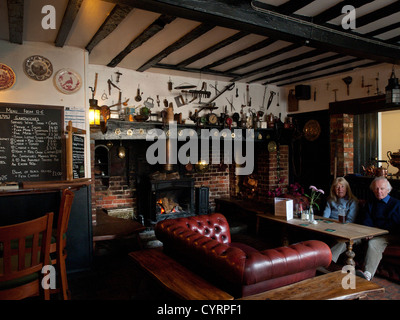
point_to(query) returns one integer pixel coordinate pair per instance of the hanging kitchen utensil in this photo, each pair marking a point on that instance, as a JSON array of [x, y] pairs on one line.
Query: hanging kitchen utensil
[[348, 81], [228, 87], [179, 101], [271, 97], [121, 151], [335, 90], [184, 86], [110, 85], [169, 84], [265, 93], [231, 103], [138, 96], [149, 103]]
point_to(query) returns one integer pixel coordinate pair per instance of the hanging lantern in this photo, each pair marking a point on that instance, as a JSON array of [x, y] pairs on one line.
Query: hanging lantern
[[393, 90], [94, 114]]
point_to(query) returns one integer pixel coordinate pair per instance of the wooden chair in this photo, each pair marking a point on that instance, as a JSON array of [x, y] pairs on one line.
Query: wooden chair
[[20, 269], [58, 248]]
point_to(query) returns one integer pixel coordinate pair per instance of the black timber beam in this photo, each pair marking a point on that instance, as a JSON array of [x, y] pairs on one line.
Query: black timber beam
[[68, 20], [15, 20], [189, 37], [241, 16], [149, 32], [213, 48], [118, 13]]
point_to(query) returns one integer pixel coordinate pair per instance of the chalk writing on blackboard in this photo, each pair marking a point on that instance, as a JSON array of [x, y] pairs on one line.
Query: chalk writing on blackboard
[[30, 143], [78, 156]]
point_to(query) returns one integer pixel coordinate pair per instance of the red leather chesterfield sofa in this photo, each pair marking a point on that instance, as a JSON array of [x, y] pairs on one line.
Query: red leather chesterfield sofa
[[204, 242]]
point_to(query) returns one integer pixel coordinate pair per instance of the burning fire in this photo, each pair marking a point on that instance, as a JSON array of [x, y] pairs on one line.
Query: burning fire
[[167, 205]]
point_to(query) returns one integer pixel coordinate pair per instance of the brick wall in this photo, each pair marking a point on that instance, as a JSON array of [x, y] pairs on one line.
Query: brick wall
[[341, 143], [221, 182]]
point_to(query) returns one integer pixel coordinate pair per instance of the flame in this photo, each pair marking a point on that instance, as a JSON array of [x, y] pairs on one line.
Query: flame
[[159, 202]]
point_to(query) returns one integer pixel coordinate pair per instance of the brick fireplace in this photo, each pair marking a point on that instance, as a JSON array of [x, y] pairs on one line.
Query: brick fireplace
[[123, 186]]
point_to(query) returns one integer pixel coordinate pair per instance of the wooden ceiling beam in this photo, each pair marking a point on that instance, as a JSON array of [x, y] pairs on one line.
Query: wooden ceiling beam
[[149, 32], [16, 20], [336, 10], [365, 65], [378, 14], [280, 63], [208, 51], [259, 45], [189, 37], [70, 14], [294, 69], [315, 70], [117, 14], [267, 56], [241, 16]]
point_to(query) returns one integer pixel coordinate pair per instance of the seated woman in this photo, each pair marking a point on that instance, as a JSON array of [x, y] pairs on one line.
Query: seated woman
[[341, 196]]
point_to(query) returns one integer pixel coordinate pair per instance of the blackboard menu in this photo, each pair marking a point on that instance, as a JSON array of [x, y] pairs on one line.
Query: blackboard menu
[[30, 142], [78, 156]]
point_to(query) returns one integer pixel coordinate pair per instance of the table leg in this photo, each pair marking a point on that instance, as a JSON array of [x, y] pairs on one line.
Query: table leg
[[350, 254], [285, 236]]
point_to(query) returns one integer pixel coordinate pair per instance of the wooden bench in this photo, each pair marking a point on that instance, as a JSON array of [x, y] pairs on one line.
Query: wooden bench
[[324, 287], [174, 277]]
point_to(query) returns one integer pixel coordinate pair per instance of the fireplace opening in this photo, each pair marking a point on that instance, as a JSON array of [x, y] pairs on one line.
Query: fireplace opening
[[166, 199]]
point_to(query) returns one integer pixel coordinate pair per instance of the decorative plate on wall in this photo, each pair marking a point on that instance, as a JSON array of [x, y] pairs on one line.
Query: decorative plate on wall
[[38, 68], [312, 130], [7, 77], [67, 81]]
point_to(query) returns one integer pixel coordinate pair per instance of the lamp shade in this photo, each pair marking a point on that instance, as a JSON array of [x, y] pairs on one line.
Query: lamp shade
[[393, 90], [94, 113]]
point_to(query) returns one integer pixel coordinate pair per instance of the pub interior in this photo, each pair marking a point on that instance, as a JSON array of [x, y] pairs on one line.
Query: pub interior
[[190, 133]]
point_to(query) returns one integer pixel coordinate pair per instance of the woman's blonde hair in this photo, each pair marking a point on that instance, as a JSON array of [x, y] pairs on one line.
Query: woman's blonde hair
[[343, 182]]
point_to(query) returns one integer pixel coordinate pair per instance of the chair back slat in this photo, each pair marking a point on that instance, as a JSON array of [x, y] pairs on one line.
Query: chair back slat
[[67, 199], [21, 254], [29, 258]]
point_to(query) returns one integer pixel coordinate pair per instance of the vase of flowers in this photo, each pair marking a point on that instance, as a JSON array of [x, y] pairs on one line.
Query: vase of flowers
[[314, 196]]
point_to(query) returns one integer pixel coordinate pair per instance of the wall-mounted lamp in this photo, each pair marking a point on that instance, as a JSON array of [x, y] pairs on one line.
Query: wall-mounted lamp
[[201, 166], [94, 114], [393, 90]]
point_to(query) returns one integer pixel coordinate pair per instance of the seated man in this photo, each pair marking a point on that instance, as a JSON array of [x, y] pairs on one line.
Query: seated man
[[382, 212]]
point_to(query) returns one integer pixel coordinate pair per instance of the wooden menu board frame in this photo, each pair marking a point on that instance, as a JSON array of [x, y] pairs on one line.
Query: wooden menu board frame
[[71, 133], [32, 143]]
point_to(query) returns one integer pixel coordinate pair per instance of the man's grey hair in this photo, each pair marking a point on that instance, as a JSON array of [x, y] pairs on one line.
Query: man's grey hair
[[389, 186]]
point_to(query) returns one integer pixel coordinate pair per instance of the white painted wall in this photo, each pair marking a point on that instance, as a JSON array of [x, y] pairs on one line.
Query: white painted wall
[[324, 88], [28, 91]]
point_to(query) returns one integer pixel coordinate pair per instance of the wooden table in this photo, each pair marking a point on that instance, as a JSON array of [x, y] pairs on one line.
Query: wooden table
[[325, 287], [346, 232], [174, 277]]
